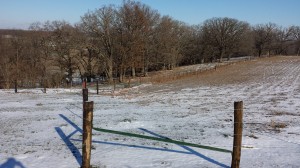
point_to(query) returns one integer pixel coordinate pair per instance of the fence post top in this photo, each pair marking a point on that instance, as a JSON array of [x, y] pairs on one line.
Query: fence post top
[[238, 103]]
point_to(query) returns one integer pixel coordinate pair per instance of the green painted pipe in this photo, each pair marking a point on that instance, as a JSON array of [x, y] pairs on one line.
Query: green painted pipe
[[162, 140]]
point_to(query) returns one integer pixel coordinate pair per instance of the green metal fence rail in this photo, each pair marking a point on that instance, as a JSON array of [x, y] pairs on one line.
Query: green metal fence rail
[[162, 140]]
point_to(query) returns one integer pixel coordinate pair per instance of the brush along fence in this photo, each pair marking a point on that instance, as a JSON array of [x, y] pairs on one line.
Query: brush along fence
[[88, 127]]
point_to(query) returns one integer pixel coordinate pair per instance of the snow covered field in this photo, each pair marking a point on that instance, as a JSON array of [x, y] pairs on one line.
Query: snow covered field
[[44, 130]]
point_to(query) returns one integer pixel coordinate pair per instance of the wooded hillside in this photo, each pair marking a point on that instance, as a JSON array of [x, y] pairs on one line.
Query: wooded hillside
[[131, 40]]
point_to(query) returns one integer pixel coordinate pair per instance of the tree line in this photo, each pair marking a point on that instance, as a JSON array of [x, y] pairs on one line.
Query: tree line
[[130, 40]]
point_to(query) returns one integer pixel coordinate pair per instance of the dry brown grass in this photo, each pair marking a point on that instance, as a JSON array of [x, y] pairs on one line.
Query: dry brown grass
[[277, 126], [218, 73], [281, 113], [255, 70]]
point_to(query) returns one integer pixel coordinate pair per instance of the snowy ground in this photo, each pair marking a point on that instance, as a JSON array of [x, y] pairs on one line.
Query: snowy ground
[[44, 130]]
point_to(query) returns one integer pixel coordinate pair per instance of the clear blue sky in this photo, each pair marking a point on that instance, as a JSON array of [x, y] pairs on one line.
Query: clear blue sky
[[20, 13]]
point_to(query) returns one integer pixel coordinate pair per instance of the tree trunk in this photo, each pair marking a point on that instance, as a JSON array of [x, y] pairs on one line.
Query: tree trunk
[[146, 64], [110, 70], [202, 60], [121, 75], [133, 72], [89, 69], [228, 58], [221, 55], [259, 53]]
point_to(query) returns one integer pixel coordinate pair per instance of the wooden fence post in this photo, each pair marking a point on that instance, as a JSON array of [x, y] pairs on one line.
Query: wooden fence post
[[16, 86], [238, 130], [87, 133], [85, 94], [84, 84], [45, 86], [97, 87]]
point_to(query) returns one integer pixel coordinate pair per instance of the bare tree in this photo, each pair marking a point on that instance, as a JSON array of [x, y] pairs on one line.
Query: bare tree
[[18, 45], [295, 35], [195, 47], [282, 40], [41, 50], [64, 46], [99, 25], [88, 57], [19, 64], [167, 41], [135, 30], [150, 19], [8, 72], [263, 37], [224, 34]]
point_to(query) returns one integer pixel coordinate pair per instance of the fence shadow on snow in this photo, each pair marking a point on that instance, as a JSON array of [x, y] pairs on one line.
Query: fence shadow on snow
[[68, 141], [66, 138], [191, 151]]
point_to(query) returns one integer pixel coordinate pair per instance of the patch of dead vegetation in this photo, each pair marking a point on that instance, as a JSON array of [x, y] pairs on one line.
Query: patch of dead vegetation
[[282, 113], [277, 126]]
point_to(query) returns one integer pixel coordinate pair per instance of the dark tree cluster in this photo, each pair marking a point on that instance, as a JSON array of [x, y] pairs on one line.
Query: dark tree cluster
[[130, 40]]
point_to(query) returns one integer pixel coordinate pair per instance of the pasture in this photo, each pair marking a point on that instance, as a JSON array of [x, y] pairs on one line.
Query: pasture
[[44, 129]]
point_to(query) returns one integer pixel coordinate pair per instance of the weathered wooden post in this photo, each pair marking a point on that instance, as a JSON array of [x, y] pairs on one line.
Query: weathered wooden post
[[97, 87], [16, 86], [45, 86], [237, 137], [84, 84], [87, 133], [85, 94]]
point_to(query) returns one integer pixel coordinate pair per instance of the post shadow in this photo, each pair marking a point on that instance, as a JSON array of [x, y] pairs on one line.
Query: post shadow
[[12, 163], [70, 145], [77, 129], [79, 159], [190, 150], [71, 123], [66, 138]]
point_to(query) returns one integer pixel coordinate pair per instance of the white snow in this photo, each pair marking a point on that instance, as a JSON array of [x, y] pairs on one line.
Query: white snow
[[44, 129]]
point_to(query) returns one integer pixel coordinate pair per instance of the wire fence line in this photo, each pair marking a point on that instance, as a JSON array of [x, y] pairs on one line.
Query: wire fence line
[[247, 133], [247, 130]]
